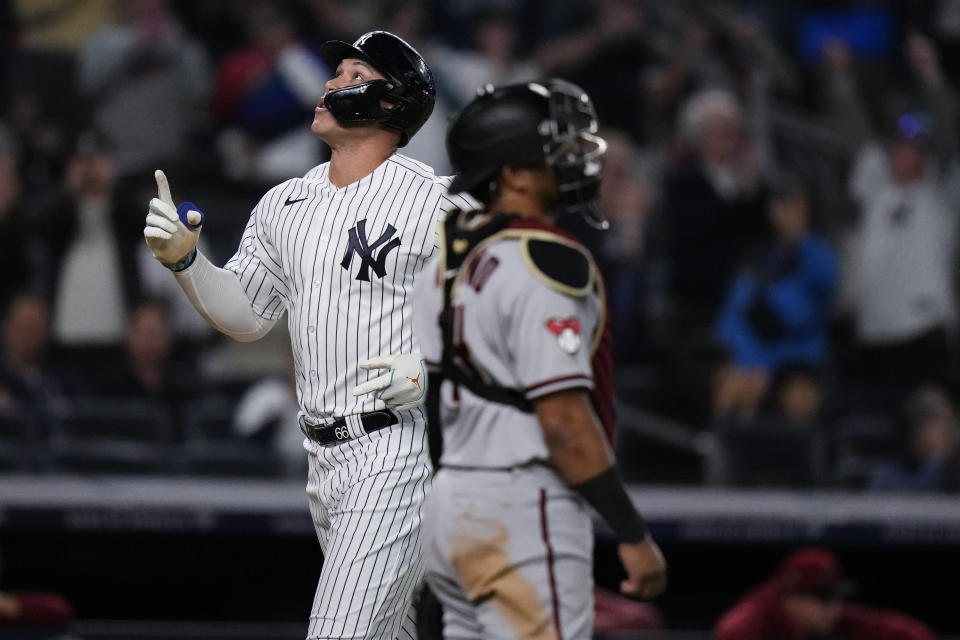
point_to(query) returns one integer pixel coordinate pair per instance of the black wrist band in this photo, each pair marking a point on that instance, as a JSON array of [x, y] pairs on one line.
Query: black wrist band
[[607, 495], [183, 262]]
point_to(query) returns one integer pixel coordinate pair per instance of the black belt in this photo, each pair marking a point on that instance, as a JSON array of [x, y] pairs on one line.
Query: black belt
[[338, 430], [524, 465]]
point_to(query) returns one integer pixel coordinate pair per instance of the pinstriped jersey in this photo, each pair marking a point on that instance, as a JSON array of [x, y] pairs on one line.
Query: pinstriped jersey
[[341, 262], [517, 329]]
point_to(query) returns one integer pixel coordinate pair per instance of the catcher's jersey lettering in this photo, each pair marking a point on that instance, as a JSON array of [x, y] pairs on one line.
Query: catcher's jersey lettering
[[480, 270], [341, 262]]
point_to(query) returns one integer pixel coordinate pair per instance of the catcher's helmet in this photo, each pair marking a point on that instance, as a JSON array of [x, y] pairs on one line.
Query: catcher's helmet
[[552, 121], [409, 84]]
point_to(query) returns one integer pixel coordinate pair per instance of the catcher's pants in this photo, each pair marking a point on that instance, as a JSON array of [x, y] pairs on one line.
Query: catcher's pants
[[365, 498], [509, 555]]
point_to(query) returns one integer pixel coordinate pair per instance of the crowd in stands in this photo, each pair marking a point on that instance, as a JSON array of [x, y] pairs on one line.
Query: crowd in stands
[[781, 183]]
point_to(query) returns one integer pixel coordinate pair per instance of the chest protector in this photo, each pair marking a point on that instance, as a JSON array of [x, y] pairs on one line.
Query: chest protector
[[458, 244]]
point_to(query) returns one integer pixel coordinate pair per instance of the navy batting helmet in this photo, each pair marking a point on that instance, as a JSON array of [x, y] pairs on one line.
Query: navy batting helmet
[[552, 121], [409, 87]]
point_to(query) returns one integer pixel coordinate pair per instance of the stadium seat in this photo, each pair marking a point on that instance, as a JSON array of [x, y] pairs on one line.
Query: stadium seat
[[213, 448], [113, 436], [771, 457], [861, 443]]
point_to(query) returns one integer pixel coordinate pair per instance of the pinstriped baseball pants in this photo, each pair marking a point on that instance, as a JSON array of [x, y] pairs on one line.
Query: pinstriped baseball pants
[[365, 499]]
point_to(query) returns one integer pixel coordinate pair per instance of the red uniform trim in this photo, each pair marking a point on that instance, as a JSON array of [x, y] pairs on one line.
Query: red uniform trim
[[555, 380], [555, 601], [526, 223], [603, 389]]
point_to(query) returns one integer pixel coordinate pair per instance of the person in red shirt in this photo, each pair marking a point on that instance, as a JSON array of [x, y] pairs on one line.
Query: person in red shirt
[[37, 609], [805, 599]]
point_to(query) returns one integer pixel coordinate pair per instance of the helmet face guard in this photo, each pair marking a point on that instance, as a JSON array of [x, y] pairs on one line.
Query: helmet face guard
[[359, 103], [552, 122], [574, 151]]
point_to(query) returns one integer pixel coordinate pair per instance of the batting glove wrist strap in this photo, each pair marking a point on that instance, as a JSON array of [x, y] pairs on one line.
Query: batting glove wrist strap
[[183, 263], [608, 496]]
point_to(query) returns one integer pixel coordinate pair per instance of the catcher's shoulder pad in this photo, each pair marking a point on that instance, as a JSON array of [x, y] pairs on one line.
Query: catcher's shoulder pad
[[562, 264]]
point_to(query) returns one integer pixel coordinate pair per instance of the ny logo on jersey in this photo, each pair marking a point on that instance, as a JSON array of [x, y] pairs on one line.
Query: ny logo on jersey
[[360, 245]]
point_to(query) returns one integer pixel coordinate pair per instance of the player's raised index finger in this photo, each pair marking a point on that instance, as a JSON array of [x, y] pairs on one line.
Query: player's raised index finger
[[163, 187]]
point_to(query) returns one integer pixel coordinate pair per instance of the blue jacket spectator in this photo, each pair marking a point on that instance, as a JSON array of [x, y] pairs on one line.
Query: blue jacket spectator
[[776, 310]]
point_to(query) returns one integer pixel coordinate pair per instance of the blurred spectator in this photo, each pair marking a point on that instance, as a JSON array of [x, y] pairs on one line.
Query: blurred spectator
[[28, 384], [8, 146], [407, 19], [38, 136], [148, 82], [712, 204], [906, 187], [36, 609], [805, 599], [493, 59], [606, 57], [626, 198], [48, 37], [344, 19], [268, 413], [148, 372], [710, 211], [799, 397], [265, 94], [777, 309], [931, 452], [88, 230], [49, 25], [783, 446], [16, 259], [719, 48]]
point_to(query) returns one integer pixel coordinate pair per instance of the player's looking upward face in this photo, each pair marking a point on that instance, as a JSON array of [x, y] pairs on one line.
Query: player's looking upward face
[[349, 72]]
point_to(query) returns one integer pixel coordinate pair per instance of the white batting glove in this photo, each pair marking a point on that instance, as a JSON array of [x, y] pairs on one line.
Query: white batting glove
[[166, 234], [403, 386]]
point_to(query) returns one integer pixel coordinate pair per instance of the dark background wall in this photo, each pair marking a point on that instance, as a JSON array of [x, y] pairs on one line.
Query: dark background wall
[[272, 578]]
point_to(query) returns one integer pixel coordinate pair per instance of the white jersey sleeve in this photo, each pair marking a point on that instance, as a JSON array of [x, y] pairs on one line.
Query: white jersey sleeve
[[257, 261]]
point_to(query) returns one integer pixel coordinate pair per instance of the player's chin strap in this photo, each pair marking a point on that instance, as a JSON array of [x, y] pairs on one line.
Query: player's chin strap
[[457, 245]]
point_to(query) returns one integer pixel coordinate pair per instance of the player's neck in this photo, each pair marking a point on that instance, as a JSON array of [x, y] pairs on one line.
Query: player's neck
[[352, 162], [520, 204]]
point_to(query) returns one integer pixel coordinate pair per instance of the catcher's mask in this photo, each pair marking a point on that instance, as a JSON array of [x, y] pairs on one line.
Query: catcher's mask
[[552, 121]]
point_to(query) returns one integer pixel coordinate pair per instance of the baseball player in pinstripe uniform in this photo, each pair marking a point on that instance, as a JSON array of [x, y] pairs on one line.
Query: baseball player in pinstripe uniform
[[510, 317], [338, 250]]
